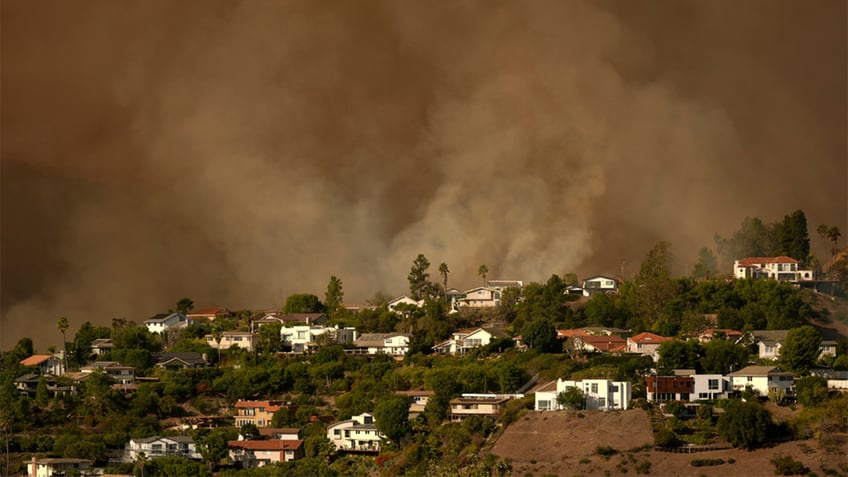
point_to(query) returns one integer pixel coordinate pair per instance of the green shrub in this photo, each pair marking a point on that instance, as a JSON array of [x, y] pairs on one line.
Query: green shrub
[[786, 465], [706, 462], [643, 467], [666, 438], [605, 451]]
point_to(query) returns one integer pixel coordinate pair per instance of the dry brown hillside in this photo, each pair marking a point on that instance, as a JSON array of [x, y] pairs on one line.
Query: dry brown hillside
[[562, 443]]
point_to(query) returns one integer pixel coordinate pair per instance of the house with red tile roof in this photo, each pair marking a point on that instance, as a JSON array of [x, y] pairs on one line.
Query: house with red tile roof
[[646, 344], [781, 268], [209, 314], [599, 344], [265, 452], [46, 364]]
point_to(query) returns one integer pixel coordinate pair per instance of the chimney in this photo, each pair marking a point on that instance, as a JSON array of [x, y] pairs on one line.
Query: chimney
[[34, 467]]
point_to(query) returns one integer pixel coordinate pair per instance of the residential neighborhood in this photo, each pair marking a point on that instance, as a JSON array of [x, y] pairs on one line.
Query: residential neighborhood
[[230, 390]]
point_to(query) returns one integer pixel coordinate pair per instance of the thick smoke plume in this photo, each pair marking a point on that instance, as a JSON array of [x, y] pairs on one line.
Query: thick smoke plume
[[237, 152]]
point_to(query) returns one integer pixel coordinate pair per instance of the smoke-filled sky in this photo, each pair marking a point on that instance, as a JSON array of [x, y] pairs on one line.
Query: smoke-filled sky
[[237, 152]]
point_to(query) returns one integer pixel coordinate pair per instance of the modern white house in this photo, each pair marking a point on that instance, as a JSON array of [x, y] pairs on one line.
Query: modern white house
[[301, 338], [781, 268], [600, 394], [394, 344], [762, 379], [711, 386], [359, 433], [157, 446]]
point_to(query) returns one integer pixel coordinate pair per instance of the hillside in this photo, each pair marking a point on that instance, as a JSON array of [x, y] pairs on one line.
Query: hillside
[[563, 443]]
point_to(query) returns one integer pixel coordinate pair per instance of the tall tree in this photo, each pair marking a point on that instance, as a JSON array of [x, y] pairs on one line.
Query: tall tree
[[443, 271], [62, 325], [335, 294], [706, 266], [185, 305], [801, 349], [655, 287], [391, 416], [744, 424], [483, 271], [832, 234], [794, 240], [753, 239], [303, 303], [419, 277]]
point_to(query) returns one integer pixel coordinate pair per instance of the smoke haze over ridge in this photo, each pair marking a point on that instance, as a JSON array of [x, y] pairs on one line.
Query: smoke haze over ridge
[[237, 152]]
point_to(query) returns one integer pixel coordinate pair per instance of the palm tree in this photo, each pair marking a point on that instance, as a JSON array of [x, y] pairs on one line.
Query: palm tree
[[140, 460], [483, 271], [443, 270], [62, 325]]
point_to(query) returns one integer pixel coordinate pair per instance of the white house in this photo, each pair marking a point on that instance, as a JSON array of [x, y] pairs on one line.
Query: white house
[[167, 321], [49, 467], [646, 344], [240, 339], [600, 284], [418, 398], [359, 433], [466, 340], [711, 386], [762, 379], [157, 446], [781, 268], [301, 338], [46, 363], [600, 394], [394, 344], [403, 300]]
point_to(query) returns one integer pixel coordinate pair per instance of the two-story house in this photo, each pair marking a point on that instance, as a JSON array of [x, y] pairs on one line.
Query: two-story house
[[480, 297], [301, 338], [158, 446], [115, 370], [258, 413], [463, 341], [762, 379], [167, 321], [240, 339], [599, 394], [781, 268], [393, 344], [488, 406], [646, 344], [359, 433], [46, 364]]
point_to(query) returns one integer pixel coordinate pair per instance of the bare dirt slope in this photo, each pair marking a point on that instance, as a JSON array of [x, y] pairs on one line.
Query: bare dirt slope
[[563, 444]]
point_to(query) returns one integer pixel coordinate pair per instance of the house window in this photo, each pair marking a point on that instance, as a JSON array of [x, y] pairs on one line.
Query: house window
[[750, 378], [614, 388], [602, 402], [703, 395], [713, 384], [594, 388]]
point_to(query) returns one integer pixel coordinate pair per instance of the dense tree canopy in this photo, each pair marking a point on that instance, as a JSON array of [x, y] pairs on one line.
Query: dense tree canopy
[[303, 303], [801, 349], [744, 424], [391, 415]]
